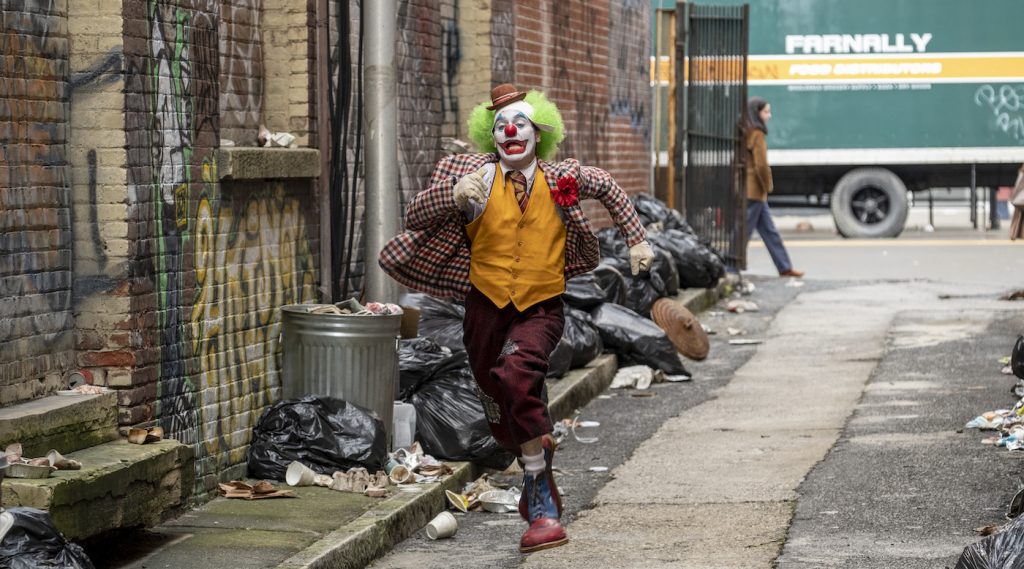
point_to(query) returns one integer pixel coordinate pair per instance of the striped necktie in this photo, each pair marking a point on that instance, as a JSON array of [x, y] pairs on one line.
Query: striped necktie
[[518, 181]]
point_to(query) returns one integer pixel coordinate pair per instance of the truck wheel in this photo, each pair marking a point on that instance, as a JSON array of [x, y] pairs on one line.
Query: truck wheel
[[870, 202]]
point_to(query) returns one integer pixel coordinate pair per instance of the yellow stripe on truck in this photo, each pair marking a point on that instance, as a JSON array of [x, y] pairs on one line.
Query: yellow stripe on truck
[[919, 68]]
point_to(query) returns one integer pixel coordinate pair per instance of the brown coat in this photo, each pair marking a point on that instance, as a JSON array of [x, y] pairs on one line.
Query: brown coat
[[759, 174]]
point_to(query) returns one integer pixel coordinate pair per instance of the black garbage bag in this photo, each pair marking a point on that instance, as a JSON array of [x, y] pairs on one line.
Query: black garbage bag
[[33, 542], [440, 320], [637, 340], [612, 281], [422, 359], [584, 292], [652, 210], [1001, 550], [582, 336], [324, 433], [450, 420], [560, 360], [1017, 358], [697, 265]]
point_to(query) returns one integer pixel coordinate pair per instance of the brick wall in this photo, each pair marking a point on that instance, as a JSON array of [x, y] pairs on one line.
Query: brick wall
[[36, 344], [588, 57], [210, 263]]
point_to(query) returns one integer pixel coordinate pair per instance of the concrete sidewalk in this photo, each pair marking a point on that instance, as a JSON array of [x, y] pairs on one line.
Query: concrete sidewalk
[[324, 528]]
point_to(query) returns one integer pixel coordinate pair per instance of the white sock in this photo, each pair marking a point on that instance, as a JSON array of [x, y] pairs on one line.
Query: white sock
[[533, 463]]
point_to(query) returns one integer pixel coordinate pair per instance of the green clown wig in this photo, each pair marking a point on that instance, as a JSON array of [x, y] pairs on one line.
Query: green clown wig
[[481, 123]]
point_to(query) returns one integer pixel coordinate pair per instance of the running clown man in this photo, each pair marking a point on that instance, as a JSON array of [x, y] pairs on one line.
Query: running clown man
[[503, 231]]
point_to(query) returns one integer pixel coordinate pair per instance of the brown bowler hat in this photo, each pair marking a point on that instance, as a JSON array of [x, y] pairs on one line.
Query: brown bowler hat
[[682, 328], [505, 94]]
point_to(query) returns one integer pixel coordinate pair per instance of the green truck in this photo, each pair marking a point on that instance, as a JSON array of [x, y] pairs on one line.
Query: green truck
[[876, 97]]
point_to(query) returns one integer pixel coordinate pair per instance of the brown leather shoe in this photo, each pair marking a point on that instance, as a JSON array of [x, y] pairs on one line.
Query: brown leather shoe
[[543, 533], [791, 273]]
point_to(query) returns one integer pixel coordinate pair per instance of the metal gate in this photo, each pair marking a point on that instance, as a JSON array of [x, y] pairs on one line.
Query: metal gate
[[711, 57]]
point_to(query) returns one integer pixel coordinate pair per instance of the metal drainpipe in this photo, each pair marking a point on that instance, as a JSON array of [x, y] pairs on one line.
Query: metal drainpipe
[[323, 132], [380, 112]]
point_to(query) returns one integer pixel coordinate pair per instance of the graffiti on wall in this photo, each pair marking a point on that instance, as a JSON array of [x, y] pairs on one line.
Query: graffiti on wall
[[221, 261], [629, 83], [251, 258], [503, 42]]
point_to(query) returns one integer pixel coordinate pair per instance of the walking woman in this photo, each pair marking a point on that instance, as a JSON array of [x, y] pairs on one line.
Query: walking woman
[[759, 185]]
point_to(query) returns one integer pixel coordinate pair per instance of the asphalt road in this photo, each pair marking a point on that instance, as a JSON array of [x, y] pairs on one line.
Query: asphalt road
[[952, 253]]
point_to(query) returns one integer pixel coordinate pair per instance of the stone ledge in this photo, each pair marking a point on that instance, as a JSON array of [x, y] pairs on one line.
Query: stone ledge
[[255, 163], [121, 485], [66, 423]]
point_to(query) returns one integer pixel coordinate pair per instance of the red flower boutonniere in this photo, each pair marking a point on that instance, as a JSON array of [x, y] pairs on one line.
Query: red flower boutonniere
[[567, 193]]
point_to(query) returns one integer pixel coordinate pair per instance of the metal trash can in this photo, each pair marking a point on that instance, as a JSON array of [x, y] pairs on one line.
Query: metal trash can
[[351, 357]]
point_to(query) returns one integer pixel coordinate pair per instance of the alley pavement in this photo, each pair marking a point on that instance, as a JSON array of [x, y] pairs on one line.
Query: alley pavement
[[831, 435]]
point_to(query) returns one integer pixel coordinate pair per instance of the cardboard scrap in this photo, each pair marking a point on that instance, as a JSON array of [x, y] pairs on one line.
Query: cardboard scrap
[[258, 491]]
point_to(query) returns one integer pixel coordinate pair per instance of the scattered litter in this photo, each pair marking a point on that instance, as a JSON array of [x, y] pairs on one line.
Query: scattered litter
[[499, 501], [605, 396], [735, 331], [442, 526], [458, 501], [746, 287], [638, 376], [265, 138], [742, 342], [84, 389], [741, 306], [598, 469], [989, 421], [1006, 370], [142, 436], [584, 440], [259, 491], [677, 378], [795, 283]]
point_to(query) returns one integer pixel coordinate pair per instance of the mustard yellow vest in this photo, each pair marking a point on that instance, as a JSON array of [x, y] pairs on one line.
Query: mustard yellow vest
[[518, 257]]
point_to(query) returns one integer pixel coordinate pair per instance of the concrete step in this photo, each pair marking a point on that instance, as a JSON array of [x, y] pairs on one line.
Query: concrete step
[[63, 422], [120, 485]]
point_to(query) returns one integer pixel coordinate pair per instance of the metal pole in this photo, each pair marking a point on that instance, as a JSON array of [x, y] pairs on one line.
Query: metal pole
[[323, 127], [974, 195], [993, 209], [380, 112], [931, 210]]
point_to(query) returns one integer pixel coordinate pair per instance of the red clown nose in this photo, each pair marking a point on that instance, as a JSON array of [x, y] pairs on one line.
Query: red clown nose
[[510, 130]]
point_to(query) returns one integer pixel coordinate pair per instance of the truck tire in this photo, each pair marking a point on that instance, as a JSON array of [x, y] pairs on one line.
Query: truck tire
[[870, 202]]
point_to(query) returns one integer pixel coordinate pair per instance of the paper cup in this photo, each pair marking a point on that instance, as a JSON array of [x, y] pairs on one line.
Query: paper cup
[[444, 525], [400, 474], [299, 474]]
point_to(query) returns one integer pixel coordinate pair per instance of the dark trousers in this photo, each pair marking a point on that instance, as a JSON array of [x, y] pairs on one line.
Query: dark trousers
[[508, 352], [759, 217]]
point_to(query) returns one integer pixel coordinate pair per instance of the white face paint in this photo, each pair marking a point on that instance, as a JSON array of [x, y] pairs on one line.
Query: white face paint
[[515, 137]]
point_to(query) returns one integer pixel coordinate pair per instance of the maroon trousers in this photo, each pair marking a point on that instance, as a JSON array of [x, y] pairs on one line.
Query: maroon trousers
[[508, 352]]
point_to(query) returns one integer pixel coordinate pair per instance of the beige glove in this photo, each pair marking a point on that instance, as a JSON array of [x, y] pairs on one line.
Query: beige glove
[[641, 256], [471, 187]]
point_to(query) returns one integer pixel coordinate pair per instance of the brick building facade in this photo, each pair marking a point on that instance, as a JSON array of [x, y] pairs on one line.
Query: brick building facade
[[128, 251]]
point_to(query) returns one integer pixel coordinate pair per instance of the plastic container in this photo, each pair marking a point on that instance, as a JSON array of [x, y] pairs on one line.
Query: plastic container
[[351, 357], [404, 432]]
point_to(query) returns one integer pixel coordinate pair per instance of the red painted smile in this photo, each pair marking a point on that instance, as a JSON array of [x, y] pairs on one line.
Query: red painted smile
[[514, 147]]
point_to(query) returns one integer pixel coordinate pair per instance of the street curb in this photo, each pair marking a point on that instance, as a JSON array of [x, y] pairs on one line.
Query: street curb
[[372, 534], [376, 532]]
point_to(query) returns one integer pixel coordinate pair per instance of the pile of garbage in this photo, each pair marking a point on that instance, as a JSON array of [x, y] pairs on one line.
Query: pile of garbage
[[1009, 423]]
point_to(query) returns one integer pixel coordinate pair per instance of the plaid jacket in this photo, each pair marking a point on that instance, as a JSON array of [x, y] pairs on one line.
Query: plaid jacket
[[432, 255]]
